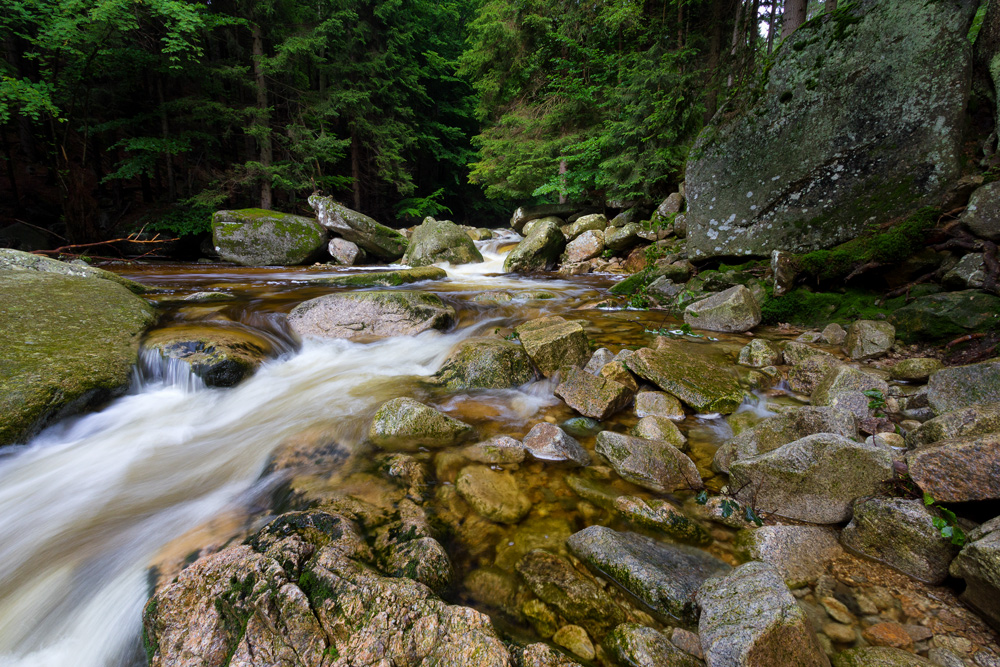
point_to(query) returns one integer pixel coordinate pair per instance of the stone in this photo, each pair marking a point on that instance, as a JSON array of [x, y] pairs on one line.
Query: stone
[[222, 356], [548, 442], [681, 226], [67, 344], [978, 419], [554, 343], [846, 379], [421, 559], [749, 619], [368, 316], [757, 185], [888, 634], [878, 656], [593, 222], [651, 464], [601, 358], [375, 239], [759, 353], [586, 246], [593, 395], [699, 382], [979, 564], [958, 470], [806, 375], [939, 318], [663, 576], [796, 352], [623, 238], [982, 215], [383, 278], [784, 271], [814, 479], [498, 450], [15, 260], [404, 424], [256, 237], [636, 645], [840, 633], [492, 494], [499, 591], [539, 251], [671, 205], [868, 339], [617, 371], [440, 241], [344, 252], [664, 289], [526, 214], [833, 334], [576, 596], [688, 642], [899, 533], [658, 404], [800, 554], [661, 516], [652, 427], [734, 310], [541, 617], [485, 363], [969, 273], [915, 370], [548, 533], [581, 427], [574, 639], [961, 386], [837, 610]]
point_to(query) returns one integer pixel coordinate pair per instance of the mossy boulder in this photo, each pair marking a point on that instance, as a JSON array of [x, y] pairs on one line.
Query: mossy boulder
[[938, 318], [652, 464], [844, 380], [486, 363], [620, 239], [539, 251], [15, 260], [868, 339], [440, 241], [915, 370], [636, 645], [376, 239], [366, 316], [526, 214], [962, 386], [654, 427], [257, 237], [384, 278], [554, 343], [587, 223], [221, 356], [67, 344], [593, 395], [969, 422], [406, 424], [759, 353], [493, 494], [982, 215], [662, 517], [700, 382], [819, 177], [733, 310]]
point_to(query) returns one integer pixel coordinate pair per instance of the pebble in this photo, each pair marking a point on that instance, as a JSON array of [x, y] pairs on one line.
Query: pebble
[[918, 633], [944, 658], [888, 634], [838, 610], [573, 638], [958, 645], [840, 633], [986, 659]]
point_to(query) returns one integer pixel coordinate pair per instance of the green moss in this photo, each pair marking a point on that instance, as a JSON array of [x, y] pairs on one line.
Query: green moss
[[633, 284], [804, 307]]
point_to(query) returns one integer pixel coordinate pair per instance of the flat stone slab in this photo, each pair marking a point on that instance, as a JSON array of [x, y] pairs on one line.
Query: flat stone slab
[[367, 316], [703, 385]]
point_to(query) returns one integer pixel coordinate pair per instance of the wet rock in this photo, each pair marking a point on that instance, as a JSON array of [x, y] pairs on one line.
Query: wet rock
[[593, 396], [734, 310], [621, 238], [698, 382], [344, 252], [542, 618], [210, 297], [749, 618], [499, 450], [492, 494], [759, 353], [899, 532], [795, 352], [485, 363], [67, 344], [878, 656], [663, 576], [496, 590], [969, 273], [800, 554], [576, 596], [939, 318], [221, 356], [617, 371], [581, 427], [868, 339], [593, 222], [843, 380], [537, 532], [915, 370], [979, 564], [440, 241], [15, 260], [574, 639], [586, 246], [384, 278], [377, 240], [658, 404], [806, 375], [406, 424], [979, 419], [554, 343], [662, 517], [961, 386], [634, 645], [539, 251], [422, 559], [652, 427], [814, 479], [366, 316], [651, 464], [255, 237], [958, 470], [548, 442], [601, 358], [833, 334]]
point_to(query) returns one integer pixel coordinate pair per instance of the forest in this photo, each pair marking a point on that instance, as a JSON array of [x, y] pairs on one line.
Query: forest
[[120, 115]]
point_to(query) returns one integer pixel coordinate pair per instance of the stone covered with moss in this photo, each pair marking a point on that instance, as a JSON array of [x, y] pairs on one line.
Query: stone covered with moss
[[384, 278], [15, 260], [367, 316], [652, 464], [221, 356], [374, 238], [486, 363], [701, 383], [818, 177], [406, 424], [440, 241], [662, 517], [593, 395], [800, 554], [634, 644], [493, 494], [554, 343], [256, 237], [539, 251], [67, 343]]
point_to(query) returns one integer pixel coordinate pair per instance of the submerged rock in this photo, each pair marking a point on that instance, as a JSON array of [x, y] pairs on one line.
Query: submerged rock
[[652, 464], [366, 316], [221, 356], [378, 240], [636, 645], [492, 494], [255, 237], [406, 424], [384, 278], [733, 310], [440, 241], [486, 363]]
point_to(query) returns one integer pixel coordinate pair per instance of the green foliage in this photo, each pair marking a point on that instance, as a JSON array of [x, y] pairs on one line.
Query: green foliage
[[977, 22], [181, 221], [947, 523], [729, 506], [876, 401]]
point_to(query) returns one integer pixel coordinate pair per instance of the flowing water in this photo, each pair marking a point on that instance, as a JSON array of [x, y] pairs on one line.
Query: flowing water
[[91, 503]]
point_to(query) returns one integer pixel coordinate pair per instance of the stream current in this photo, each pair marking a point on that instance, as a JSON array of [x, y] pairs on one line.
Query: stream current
[[92, 503]]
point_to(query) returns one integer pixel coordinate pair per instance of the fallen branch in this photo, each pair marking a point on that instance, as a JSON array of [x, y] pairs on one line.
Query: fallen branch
[[965, 339], [862, 269], [905, 289], [67, 249]]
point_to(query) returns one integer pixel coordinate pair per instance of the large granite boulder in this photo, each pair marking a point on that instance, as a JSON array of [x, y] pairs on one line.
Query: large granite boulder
[[979, 564], [554, 343], [734, 310], [593, 395], [867, 339], [440, 241], [846, 90], [587, 245], [67, 344], [958, 470], [539, 251], [376, 239], [962, 386], [222, 356], [367, 316], [939, 318], [486, 363], [406, 424], [15, 260], [978, 419], [800, 554], [256, 237], [678, 368]]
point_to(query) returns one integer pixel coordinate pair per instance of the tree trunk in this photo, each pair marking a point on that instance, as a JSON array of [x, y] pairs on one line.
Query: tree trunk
[[771, 25], [356, 170], [165, 130], [795, 15], [831, 5], [264, 137]]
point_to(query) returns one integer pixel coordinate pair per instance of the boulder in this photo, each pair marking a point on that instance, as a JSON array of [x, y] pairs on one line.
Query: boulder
[[406, 424], [586, 246], [915, 370], [67, 344], [526, 214], [653, 427], [440, 241], [879, 656], [958, 470], [757, 185], [492, 494], [795, 352], [658, 404], [344, 252], [222, 356], [900, 533], [664, 576], [367, 316], [961, 386], [939, 318], [750, 619], [574, 639], [806, 375], [652, 464], [979, 419], [733, 310], [593, 222], [592, 395], [498, 450], [759, 353], [620, 239], [377, 240], [833, 334], [800, 554], [815, 479], [598, 360], [969, 273], [538, 532], [548, 442], [485, 363], [15, 260], [868, 339], [616, 370], [554, 343], [662, 517], [846, 379], [701, 383], [672, 205], [636, 645], [539, 251], [982, 215], [383, 278], [979, 564], [256, 237]]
